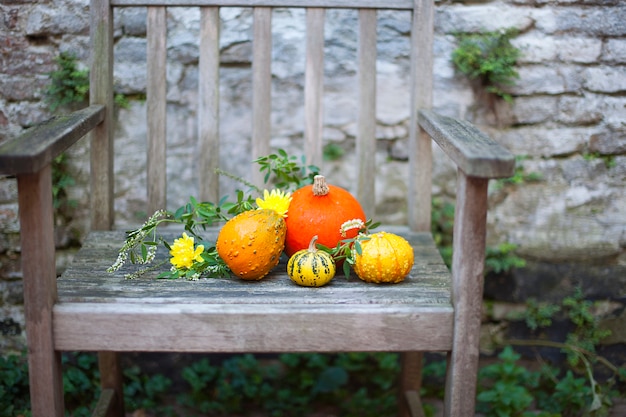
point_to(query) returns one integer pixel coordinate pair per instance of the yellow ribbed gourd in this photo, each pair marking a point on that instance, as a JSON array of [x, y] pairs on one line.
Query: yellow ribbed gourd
[[385, 257]]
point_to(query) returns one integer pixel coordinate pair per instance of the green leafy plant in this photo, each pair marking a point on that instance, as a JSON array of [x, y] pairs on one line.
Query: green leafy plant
[[488, 57], [146, 392], [441, 226], [356, 384], [14, 396], [520, 176], [579, 346], [285, 171], [538, 314], [586, 334], [502, 258], [508, 388], [81, 386], [333, 152], [609, 160], [68, 84], [503, 391], [62, 180]]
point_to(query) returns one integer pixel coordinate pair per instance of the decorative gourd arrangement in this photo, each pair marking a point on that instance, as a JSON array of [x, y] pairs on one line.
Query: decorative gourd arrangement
[[311, 267], [319, 210], [319, 226]]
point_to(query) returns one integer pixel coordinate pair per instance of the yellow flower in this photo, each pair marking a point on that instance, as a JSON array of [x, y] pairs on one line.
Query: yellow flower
[[277, 200], [183, 253]]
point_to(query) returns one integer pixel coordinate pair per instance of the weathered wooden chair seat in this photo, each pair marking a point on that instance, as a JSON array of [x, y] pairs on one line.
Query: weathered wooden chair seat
[[233, 315], [89, 309]]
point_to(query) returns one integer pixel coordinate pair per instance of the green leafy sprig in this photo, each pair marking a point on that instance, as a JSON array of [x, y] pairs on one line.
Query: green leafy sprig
[[140, 245], [347, 249], [288, 173]]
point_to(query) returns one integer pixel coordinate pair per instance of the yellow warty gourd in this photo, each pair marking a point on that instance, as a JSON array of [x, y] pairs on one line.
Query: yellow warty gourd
[[385, 257], [251, 243]]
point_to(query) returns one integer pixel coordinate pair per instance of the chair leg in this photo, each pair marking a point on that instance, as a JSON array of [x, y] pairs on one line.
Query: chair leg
[[467, 291], [46, 382], [111, 378], [38, 267], [410, 382]]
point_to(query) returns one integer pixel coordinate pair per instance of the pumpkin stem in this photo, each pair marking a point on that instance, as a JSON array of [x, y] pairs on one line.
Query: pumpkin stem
[[312, 247], [320, 187]]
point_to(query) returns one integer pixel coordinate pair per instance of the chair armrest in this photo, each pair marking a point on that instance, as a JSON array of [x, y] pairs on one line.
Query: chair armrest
[[475, 153], [40, 144]]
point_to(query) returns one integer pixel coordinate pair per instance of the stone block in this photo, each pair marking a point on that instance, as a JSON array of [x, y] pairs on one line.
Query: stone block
[[78, 46], [28, 61], [547, 79], [129, 49], [8, 190], [481, 17], [612, 107], [132, 21], [579, 50], [579, 110], [535, 48], [555, 224], [130, 78], [9, 218], [21, 88], [605, 79], [545, 142], [45, 20], [534, 109], [608, 142], [592, 21], [614, 51]]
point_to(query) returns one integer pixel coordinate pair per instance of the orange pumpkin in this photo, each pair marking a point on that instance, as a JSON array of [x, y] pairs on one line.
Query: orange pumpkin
[[320, 209]]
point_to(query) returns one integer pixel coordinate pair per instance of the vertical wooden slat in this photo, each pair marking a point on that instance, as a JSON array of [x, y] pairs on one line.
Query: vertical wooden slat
[[101, 92], [156, 106], [314, 86], [420, 149], [208, 104], [261, 86], [468, 246], [366, 134], [102, 152], [40, 293], [420, 155]]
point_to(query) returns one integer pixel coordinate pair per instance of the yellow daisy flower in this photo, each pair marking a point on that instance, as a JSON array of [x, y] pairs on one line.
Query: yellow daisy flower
[[276, 200], [184, 254]]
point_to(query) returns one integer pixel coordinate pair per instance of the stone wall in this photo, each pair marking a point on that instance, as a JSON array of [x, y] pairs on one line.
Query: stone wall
[[567, 118]]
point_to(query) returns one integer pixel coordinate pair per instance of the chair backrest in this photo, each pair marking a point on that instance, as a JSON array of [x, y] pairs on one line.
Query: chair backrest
[[420, 159]]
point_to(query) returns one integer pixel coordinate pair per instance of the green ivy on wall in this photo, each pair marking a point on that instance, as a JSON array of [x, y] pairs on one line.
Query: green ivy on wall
[[488, 57]]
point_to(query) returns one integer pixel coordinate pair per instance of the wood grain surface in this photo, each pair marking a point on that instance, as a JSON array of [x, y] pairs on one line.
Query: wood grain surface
[[236, 315]]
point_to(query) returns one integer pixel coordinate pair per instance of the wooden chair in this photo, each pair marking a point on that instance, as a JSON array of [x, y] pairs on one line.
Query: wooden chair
[[90, 310]]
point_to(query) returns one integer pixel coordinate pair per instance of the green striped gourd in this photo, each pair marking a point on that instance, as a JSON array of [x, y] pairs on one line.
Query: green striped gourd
[[311, 267]]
